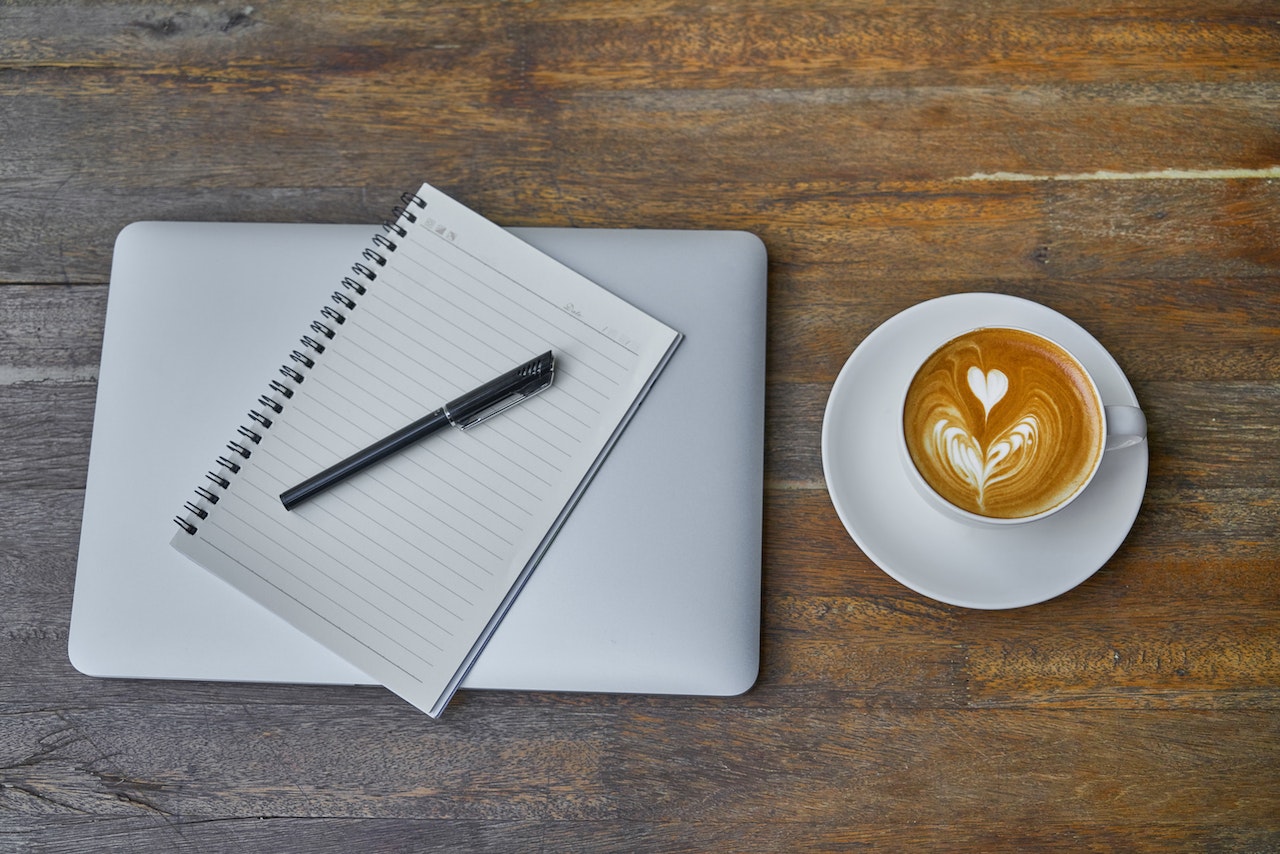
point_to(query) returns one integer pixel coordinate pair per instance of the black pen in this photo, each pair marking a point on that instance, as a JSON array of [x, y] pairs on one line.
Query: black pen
[[466, 411]]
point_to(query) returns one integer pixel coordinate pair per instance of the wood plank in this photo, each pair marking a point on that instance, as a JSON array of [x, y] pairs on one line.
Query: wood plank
[[1176, 536], [48, 425], [1167, 623], [377, 760], [320, 835], [1149, 656], [960, 235], [912, 43], [51, 333], [857, 135], [992, 769], [665, 44], [858, 650]]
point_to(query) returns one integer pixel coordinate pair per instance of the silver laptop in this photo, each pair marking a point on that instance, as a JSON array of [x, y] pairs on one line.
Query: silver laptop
[[652, 586]]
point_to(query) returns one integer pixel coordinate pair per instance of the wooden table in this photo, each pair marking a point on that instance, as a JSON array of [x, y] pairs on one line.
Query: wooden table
[[1118, 162]]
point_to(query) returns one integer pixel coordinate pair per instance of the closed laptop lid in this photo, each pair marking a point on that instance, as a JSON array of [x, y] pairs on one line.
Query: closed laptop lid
[[653, 584]]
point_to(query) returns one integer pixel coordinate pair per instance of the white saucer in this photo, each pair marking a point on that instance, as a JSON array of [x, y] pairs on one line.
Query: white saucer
[[931, 553]]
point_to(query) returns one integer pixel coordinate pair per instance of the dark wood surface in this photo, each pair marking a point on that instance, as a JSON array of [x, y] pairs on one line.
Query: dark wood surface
[[1119, 162]]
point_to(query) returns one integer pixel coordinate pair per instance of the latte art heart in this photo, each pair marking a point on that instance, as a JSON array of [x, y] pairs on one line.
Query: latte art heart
[[1003, 423], [989, 388], [980, 467], [1000, 458]]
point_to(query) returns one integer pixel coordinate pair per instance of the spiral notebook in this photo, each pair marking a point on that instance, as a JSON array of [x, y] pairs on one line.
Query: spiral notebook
[[406, 569]]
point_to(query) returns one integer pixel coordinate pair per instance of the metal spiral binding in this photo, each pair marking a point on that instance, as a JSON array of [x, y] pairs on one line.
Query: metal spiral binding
[[302, 361]]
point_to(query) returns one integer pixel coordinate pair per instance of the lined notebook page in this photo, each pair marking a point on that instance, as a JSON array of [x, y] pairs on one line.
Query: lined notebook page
[[406, 568]]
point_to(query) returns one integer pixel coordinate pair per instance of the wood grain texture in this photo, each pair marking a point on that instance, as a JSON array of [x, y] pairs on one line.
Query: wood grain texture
[[1119, 163]]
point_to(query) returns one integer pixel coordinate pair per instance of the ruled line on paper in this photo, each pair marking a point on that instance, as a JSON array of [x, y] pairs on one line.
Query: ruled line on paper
[[543, 451], [340, 368], [440, 505], [430, 510], [542, 298], [450, 296], [440, 356], [558, 311], [427, 503], [325, 618], [376, 475], [542, 400], [445, 462], [503, 432], [572, 380], [566, 378], [345, 444], [337, 607], [432, 448], [446, 302], [353, 638], [565, 384], [512, 425], [515, 462], [352, 533], [360, 533]]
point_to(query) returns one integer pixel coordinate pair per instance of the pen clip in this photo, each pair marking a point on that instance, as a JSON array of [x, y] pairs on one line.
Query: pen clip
[[501, 394]]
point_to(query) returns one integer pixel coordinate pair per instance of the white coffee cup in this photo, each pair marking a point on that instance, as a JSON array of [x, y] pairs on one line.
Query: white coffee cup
[[943, 374]]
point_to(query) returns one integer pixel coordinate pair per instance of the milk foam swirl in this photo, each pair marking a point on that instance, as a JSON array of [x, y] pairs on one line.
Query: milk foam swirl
[[1003, 423], [1003, 459]]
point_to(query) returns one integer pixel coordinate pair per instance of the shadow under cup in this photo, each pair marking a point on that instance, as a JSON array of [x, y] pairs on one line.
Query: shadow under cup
[[1002, 426]]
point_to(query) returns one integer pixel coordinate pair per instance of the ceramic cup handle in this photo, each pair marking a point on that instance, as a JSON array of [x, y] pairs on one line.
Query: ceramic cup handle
[[1126, 425]]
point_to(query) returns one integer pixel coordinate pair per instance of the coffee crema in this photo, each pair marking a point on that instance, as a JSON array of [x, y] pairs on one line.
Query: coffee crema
[[1003, 423]]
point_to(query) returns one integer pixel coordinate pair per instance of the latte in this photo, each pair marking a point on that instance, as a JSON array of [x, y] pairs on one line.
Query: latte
[[1003, 423]]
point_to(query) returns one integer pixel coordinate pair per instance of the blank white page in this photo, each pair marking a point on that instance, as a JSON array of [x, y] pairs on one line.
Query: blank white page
[[405, 568]]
